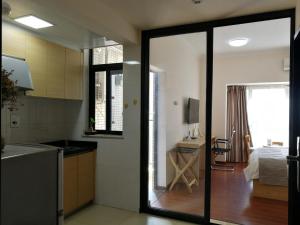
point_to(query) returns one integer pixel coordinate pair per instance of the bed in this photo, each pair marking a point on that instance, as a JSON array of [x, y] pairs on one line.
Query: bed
[[267, 168]]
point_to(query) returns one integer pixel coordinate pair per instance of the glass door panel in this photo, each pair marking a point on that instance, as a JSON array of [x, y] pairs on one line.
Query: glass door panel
[[250, 109], [177, 106]]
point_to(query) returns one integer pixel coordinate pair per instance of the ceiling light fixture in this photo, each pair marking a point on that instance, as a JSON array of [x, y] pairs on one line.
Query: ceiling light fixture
[[238, 42], [33, 21]]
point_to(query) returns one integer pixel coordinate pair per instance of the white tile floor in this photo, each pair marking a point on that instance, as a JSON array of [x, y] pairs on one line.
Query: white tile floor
[[100, 215]]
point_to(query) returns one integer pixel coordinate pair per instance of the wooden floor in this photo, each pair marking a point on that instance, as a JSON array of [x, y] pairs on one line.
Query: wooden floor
[[231, 200]]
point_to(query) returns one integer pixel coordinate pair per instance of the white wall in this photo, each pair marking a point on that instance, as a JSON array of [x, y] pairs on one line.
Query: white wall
[[248, 67], [180, 80], [118, 159]]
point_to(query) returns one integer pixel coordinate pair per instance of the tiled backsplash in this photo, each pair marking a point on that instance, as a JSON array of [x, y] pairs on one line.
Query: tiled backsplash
[[41, 119]]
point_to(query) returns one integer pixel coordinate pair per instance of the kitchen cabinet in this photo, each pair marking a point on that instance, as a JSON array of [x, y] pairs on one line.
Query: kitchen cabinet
[[70, 184], [56, 71], [86, 177], [13, 42], [56, 60], [74, 75], [79, 180], [36, 57]]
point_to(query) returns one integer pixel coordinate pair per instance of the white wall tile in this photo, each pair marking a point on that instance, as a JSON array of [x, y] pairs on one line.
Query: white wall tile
[[41, 119]]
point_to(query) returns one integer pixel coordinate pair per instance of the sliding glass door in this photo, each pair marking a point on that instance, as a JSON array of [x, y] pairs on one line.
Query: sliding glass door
[[200, 118], [250, 108], [176, 124]]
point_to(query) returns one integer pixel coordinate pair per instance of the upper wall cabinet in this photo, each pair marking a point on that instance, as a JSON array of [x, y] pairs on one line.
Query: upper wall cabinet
[[56, 61], [36, 56], [56, 71], [73, 81], [13, 42]]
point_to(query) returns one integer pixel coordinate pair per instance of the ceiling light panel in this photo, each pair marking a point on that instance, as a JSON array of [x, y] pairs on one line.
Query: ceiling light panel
[[238, 42], [33, 22]]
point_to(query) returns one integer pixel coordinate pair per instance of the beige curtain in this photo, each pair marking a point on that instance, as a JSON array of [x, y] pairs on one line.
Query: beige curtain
[[237, 119]]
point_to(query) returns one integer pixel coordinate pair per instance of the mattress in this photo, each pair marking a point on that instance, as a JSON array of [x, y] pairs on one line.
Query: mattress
[[269, 165]]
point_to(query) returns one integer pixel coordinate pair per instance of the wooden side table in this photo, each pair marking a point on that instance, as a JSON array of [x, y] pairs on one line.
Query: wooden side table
[[191, 147], [188, 167]]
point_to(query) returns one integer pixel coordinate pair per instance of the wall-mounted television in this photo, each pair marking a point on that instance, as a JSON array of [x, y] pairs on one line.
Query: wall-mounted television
[[193, 110]]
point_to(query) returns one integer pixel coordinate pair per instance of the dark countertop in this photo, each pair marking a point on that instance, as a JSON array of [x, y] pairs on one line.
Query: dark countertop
[[72, 147]]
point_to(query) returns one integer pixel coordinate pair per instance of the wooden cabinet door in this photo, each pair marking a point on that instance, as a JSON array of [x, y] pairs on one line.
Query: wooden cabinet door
[[86, 177], [74, 75], [70, 184], [36, 56], [55, 87], [13, 41]]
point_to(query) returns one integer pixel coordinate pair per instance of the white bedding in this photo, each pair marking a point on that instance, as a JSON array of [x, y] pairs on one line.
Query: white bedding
[[269, 165]]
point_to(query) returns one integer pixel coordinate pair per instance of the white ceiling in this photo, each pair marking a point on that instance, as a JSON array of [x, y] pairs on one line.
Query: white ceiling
[[262, 35], [148, 14], [64, 32], [84, 23]]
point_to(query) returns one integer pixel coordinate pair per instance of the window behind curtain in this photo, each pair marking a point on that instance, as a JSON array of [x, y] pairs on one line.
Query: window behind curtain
[[268, 113]]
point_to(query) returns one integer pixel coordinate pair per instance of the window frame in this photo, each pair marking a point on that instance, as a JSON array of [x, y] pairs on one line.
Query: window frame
[[108, 68]]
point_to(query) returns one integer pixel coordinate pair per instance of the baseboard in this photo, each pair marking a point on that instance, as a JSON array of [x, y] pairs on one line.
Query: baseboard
[[161, 188]]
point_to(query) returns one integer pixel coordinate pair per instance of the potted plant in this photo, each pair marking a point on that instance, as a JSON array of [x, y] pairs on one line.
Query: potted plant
[[8, 94], [8, 90], [91, 129], [92, 122]]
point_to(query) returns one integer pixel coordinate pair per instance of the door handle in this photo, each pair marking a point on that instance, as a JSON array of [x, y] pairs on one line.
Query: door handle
[[295, 158], [292, 158]]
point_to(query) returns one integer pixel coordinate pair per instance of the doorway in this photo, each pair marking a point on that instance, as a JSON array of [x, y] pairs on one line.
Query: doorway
[[176, 167]]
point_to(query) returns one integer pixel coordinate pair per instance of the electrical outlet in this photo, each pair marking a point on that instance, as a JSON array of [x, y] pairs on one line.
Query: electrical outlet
[[14, 121]]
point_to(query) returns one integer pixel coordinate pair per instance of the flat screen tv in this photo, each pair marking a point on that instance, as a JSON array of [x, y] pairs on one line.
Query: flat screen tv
[[193, 111]]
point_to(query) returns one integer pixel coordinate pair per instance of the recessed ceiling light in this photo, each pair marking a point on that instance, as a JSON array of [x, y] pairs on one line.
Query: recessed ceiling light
[[33, 21], [238, 42]]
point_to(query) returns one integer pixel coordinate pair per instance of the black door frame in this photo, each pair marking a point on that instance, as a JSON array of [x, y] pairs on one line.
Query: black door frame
[[207, 27], [294, 195]]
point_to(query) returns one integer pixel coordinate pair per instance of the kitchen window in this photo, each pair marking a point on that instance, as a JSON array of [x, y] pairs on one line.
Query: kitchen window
[[106, 89]]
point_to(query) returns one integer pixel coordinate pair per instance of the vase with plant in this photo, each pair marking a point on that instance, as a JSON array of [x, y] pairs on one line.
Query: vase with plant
[[92, 123], [8, 94], [91, 129]]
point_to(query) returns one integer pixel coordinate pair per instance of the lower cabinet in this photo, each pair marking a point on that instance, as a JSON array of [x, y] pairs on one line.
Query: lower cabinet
[[86, 178], [70, 184], [79, 180]]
